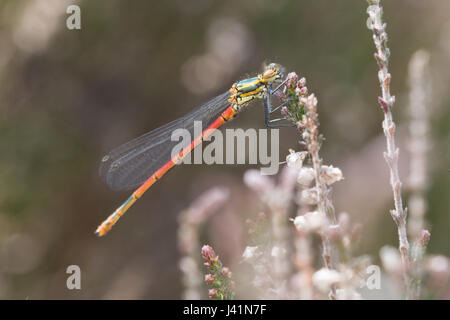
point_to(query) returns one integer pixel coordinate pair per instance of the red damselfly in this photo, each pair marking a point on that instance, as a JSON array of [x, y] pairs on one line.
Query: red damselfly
[[144, 160]]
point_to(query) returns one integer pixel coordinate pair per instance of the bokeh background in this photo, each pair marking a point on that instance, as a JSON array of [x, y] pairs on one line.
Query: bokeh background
[[69, 96]]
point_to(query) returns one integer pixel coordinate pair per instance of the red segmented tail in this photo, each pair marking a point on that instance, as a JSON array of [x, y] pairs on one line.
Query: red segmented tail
[[106, 225]]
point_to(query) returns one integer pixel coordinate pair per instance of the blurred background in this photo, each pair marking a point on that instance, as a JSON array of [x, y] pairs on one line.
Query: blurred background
[[67, 97]]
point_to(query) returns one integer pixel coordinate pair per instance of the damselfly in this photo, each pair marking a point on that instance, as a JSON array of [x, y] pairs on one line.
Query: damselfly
[[144, 160]]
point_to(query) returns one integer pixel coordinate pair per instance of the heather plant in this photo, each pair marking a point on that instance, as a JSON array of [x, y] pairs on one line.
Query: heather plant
[[386, 101], [284, 257], [337, 220], [218, 276], [305, 185], [268, 254], [190, 222]]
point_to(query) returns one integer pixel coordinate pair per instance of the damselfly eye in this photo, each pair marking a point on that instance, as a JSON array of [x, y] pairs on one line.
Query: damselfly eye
[[271, 71]]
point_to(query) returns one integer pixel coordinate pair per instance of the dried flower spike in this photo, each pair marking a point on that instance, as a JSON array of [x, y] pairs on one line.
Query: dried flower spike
[[386, 101]]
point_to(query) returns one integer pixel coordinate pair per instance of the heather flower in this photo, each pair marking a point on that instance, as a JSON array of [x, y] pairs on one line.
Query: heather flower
[[301, 83], [331, 174], [212, 293], [292, 79], [310, 196], [295, 159], [311, 222], [226, 272], [424, 238], [300, 223], [209, 279], [325, 278], [209, 255], [250, 253], [305, 176], [219, 277]]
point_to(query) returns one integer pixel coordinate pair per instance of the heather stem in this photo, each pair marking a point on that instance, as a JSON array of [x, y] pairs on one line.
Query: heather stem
[[419, 143], [324, 205], [386, 102], [301, 109], [419, 146]]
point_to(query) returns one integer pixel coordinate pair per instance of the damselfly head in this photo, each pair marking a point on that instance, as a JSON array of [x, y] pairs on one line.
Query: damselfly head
[[273, 72]]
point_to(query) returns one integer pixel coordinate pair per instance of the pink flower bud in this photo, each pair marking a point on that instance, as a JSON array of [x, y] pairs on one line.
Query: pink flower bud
[[226, 272], [424, 238], [212, 293], [209, 278], [208, 255], [301, 83], [292, 79]]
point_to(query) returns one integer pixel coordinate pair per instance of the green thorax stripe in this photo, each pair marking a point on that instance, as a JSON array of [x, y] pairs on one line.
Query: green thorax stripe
[[248, 85]]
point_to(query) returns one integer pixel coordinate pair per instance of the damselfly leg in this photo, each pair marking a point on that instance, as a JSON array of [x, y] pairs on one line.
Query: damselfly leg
[[268, 110]]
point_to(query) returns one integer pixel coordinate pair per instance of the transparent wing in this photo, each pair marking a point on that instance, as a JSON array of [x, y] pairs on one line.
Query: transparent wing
[[131, 164]]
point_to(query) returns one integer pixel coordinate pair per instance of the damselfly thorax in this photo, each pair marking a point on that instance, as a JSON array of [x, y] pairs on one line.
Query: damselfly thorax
[[244, 91]]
